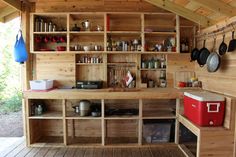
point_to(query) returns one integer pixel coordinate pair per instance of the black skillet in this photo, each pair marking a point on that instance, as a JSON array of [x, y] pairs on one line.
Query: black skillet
[[232, 44], [203, 54], [213, 60], [194, 54], [223, 47]]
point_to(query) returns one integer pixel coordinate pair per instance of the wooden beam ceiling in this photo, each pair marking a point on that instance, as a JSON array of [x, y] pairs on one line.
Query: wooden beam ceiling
[[13, 3], [6, 11], [179, 10], [217, 6]]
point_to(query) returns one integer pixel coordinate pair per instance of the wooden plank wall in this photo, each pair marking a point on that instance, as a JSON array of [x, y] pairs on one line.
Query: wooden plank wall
[[60, 67], [222, 81], [175, 63], [95, 6]]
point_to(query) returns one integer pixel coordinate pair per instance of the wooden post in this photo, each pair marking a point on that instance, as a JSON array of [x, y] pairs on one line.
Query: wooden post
[[103, 122], [177, 27], [65, 130], [140, 126], [177, 121], [26, 68]]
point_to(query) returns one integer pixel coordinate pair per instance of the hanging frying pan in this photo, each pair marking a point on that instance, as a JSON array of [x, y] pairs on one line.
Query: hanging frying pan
[[213, 60], [203, 54], [232, 44], [194, 54], [223, 47]]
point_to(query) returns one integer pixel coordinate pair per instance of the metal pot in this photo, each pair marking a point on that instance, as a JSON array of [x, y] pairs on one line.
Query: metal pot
[[84, 107]]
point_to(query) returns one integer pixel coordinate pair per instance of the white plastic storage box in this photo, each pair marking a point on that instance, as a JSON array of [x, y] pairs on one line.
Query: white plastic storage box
[[41, 84], [157, 132]]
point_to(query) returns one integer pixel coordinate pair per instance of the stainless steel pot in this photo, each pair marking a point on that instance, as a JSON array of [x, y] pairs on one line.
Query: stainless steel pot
[[84, 107]]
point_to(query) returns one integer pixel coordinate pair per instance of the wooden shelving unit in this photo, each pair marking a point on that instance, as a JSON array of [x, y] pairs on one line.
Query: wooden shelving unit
[[48, 115], [121, 28], [71, 129]]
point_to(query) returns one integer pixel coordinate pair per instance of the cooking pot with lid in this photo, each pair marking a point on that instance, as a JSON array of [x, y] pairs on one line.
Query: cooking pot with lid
[[83, 108]]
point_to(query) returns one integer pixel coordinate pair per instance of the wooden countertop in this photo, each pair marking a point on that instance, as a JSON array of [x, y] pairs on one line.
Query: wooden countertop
[[143, 93]]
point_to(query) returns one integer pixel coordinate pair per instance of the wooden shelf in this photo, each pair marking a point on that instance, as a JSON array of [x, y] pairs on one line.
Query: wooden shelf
[[74, 141], [48, 115], [160, 33], [87, 52], [63, 32], [124, 32], [158, 69], [110, 141], [51, 52], [195, 128], [122, 117], [122, 64], [72, 115], [87, 32], [49, 141], [158, 52], [123, 52], [189, 88], [162, 114], [90, 64]]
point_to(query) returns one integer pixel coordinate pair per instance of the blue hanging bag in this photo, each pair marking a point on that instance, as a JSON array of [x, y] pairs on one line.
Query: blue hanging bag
[[20, 52]]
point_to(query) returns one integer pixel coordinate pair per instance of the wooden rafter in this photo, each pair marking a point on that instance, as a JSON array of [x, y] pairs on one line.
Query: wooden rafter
[[6, 11], [13, 3], [217, 6], [179, 10]]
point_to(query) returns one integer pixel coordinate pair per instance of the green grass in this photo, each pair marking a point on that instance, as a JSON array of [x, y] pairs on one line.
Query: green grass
[[11, 104]]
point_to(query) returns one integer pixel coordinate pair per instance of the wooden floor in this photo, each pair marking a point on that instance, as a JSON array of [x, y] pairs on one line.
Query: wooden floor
[[17, 148]]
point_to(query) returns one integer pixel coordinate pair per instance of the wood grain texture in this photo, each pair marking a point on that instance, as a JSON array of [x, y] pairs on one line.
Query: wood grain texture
[[175, 63], [95, 5], [222, 81], [57, 67]]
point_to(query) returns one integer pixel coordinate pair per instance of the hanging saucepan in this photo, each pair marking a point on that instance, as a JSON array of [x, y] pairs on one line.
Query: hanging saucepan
[[213, 60], [203, 54], [223, 47], [232, 44], [194, 54]]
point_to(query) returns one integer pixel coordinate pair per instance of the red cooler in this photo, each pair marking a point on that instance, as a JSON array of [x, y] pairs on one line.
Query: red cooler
[[204, 108]]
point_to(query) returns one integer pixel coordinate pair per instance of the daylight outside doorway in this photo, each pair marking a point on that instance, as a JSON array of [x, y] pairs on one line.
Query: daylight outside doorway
[[10, 83]]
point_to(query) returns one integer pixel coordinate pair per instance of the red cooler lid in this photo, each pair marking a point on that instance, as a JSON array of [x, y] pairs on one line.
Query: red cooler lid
[[204, 96]]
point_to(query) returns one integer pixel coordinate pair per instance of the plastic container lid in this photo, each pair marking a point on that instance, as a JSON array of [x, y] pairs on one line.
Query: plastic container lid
[[204, 96]]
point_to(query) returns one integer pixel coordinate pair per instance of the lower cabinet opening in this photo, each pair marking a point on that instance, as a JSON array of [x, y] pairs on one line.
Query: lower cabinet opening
[[46, 131], [121, 132]]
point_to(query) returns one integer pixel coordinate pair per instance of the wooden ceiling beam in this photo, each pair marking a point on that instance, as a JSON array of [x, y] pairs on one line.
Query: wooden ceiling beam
[[217, 6], [13, 3], [6, 11], [179, 10]]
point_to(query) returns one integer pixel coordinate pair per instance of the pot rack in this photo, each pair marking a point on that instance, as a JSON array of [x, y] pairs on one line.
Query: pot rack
[[219, 31]]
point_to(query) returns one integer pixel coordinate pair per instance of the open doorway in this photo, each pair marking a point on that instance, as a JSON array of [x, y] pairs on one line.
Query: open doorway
[[11, 124]]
